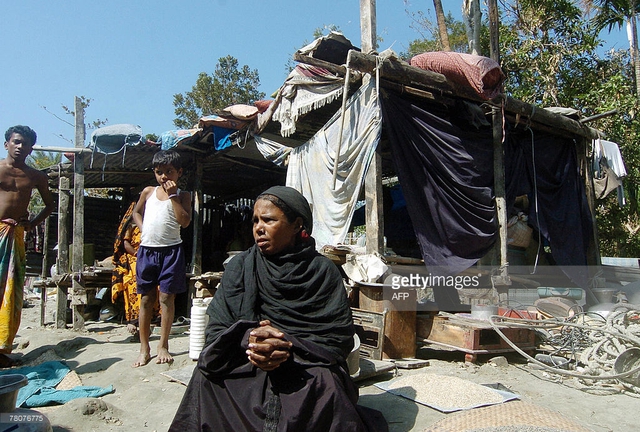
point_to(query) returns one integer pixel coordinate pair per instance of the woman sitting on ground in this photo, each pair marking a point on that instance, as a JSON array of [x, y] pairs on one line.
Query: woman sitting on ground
[[279, 332]]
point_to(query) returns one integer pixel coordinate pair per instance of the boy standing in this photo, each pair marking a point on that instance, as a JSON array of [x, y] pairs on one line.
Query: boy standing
[[160, 213], [17, 181]]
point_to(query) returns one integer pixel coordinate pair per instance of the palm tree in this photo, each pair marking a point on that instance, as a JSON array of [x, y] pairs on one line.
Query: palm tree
[[612, 13], [442, 25]]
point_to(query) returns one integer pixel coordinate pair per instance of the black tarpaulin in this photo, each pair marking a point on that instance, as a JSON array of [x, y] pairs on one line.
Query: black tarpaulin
[[545, 167], [445, 166]]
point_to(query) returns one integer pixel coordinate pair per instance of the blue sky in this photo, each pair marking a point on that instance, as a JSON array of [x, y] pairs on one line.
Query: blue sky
[[131, 56]]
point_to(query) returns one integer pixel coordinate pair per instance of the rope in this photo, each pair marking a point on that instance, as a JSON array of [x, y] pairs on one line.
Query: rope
[[596, 341], [535, 195]]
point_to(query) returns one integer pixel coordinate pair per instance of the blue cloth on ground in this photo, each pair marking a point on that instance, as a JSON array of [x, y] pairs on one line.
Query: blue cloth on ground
[[47, 396], [42, 380]]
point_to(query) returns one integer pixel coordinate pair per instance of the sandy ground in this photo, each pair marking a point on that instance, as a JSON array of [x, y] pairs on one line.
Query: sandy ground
[[146, 400]]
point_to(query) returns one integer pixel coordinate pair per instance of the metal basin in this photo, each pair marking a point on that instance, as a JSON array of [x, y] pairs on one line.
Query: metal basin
[[627, 361], [9, 386]]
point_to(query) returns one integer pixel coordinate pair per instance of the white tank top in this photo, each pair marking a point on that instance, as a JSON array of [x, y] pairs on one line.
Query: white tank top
[[159, 225]]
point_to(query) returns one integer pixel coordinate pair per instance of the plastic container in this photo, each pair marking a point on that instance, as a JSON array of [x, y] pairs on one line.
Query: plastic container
[[197, 327]]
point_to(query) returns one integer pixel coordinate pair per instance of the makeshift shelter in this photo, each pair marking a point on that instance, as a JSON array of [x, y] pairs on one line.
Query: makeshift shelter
[[439, 139]]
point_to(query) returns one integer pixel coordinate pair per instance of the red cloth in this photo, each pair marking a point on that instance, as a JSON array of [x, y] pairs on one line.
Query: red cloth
[[262, 105]]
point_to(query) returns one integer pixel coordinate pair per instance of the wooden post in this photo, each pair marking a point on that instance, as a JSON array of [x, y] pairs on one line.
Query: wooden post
[[197, 221], [400, 322], [594, 260], [78, 286], [502, 278], [62, 263], [373, 179], [45, 269], [196, 256], [494, 31]]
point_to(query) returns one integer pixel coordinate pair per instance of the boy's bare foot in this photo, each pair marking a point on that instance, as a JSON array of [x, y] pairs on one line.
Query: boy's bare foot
[[142, 360], [164, 356]]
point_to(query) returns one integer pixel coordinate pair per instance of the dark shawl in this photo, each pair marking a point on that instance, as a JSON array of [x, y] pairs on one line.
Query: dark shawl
[[302, 294]]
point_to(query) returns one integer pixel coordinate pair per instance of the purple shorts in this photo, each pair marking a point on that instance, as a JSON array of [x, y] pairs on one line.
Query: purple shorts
[[164, 266]]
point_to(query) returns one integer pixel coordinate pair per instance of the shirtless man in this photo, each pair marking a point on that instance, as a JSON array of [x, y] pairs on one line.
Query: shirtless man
[[17, 181]]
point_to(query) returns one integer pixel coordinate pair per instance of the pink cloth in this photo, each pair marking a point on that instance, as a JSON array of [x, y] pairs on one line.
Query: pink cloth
[[482, 74]]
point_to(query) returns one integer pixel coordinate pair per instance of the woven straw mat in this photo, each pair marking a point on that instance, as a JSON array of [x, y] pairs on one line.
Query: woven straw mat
[[511, 414], [69, 381]]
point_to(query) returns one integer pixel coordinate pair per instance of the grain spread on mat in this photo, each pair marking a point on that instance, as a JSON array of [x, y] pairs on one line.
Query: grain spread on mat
[[444, 392]]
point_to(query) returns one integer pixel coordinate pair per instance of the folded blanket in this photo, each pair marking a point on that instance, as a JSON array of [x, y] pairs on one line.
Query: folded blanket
[[42, 380]]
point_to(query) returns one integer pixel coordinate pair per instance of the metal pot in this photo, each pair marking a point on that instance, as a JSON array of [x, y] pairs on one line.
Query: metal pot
[[9, 386], [627, 361]]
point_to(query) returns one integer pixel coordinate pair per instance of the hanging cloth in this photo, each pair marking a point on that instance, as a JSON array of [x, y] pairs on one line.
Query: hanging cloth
[[311, 165], [445, 168]]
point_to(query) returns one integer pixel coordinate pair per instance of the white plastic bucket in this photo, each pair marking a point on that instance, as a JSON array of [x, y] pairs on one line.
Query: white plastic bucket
[[197, 328]]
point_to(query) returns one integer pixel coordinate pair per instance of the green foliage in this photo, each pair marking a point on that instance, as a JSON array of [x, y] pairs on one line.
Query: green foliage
[[228, 85], [151, 137], [546, 50], [613, 13], [40, 160], [456, 30]]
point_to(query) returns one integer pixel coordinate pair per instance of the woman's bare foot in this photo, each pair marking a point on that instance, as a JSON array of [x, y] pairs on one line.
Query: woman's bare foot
[[135, 333], [142, 360], [132, 329], [164, 356]]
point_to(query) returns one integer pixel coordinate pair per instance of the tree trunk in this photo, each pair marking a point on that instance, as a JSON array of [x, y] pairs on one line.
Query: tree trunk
[[442, 25], [635, 58], [472, 18]]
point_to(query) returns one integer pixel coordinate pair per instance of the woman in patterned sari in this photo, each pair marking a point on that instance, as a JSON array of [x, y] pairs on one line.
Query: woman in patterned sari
[[123, 279]]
